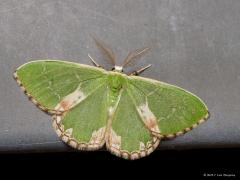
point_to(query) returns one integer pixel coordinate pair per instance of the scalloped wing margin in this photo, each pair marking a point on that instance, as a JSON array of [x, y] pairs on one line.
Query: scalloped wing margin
[[177, 111]]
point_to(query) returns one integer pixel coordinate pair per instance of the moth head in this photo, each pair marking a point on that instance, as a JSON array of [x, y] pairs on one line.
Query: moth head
[[117, 69]]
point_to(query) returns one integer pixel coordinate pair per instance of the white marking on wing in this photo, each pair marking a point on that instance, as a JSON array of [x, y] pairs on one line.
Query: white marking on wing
[[141, 146], [114, 140], [97, 136], [69, 131], [71, 100], [110, 111], [148, 117]]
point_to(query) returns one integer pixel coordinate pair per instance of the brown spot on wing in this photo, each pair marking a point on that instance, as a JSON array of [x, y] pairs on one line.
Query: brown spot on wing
[[151, 123], [65, 104], [70, 100]]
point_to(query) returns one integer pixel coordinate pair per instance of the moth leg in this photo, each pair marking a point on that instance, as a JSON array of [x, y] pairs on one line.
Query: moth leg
[[136, 73], [94, 62]]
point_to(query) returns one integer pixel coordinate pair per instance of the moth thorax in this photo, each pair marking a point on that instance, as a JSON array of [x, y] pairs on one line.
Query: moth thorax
[[115, 82], [118, 68]]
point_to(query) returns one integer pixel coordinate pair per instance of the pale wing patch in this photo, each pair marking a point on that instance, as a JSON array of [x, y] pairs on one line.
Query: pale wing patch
[[70, 100], [142, 146], [69, 132], [113, 142], [148, 117], [111, 112], [98, 136]]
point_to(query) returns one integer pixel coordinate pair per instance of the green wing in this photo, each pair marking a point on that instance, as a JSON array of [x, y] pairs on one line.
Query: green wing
[[174, 110], [76, 96], [85, 114], [47, 82], [84, 126], [128, 137]]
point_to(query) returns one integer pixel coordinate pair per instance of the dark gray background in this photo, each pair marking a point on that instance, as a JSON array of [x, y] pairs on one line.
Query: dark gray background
[[196, 45]]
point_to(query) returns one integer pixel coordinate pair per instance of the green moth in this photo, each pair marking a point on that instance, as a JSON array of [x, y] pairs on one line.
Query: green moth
[[92, 107]]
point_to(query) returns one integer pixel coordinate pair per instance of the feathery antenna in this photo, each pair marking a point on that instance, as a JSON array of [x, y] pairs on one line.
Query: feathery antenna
[[106, 50], [134, 55]]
